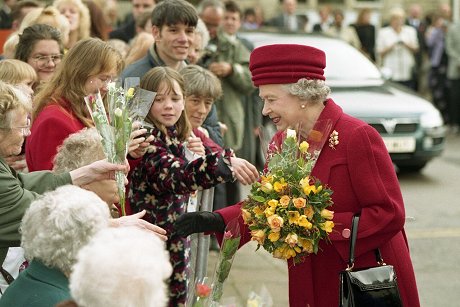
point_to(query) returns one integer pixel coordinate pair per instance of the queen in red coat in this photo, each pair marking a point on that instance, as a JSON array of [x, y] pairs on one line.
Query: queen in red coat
[[355, 165]]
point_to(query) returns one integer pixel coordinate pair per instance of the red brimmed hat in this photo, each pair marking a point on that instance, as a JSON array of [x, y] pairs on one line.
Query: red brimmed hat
[[286, 63]]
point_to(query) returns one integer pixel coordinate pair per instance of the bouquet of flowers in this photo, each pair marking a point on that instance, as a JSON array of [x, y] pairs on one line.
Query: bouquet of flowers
[[115, 128], [286, 210]]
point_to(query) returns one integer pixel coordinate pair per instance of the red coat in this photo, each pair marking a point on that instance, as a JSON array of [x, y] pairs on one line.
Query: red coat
[[49, 130], [361, 174]]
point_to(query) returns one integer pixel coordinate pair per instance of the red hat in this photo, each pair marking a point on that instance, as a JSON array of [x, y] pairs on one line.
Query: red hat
[[286, 63]]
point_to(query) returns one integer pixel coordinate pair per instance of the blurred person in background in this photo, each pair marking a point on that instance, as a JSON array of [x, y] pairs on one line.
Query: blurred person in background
[[79, 19], [288, 19], [6, 20], [366, 33], [453, 74], [41, 47], [99, 26], [435, 41], [20, 10], [340, 30], [143, 40], [397, 44], [324, 13], [127, 30]]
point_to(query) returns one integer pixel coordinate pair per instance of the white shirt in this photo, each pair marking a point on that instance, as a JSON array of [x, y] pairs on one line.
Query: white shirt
[[400, 59]]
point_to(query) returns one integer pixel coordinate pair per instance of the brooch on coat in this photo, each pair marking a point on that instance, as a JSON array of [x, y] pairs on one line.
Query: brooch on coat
[[334, 139]]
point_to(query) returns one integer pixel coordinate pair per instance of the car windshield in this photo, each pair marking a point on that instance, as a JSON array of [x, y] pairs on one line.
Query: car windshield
[[345, 64]]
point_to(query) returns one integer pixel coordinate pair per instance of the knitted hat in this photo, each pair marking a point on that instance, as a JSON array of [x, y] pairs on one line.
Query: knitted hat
[[286, 63]]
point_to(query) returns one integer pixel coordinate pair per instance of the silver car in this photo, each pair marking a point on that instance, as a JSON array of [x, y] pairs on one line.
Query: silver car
[[411, 127]]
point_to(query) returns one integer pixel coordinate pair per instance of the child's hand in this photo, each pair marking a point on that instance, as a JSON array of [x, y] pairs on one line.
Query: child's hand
[[139, 141], [195, 145]]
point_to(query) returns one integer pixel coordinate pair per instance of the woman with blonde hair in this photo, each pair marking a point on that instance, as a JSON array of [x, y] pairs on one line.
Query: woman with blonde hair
[[79, 18], [60, 108], [18, 73]]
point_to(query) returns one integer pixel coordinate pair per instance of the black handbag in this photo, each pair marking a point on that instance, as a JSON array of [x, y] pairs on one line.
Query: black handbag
[[368, 287]]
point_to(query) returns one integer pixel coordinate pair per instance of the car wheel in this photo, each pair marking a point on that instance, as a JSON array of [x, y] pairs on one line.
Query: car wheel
[[412, 168]]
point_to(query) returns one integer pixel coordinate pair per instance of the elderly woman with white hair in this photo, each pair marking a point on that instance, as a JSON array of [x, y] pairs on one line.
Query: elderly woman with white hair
[[18, 190], [127, 243], [54, 229]]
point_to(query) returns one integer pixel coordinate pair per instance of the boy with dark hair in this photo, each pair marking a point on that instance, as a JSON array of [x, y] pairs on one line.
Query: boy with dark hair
[[173, 27]]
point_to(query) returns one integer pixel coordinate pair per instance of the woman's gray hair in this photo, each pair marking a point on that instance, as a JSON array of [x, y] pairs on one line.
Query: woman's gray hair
[[78, 149], [112, 247], [11, 99], [314, 91], [59, 223]]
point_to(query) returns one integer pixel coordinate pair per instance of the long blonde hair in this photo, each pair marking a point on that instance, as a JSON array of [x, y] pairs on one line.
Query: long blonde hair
[[87, 58], [152, 81]]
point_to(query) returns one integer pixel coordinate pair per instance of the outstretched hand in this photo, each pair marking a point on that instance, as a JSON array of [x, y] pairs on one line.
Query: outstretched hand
[[137, 221], [202, 221], [245, 172]]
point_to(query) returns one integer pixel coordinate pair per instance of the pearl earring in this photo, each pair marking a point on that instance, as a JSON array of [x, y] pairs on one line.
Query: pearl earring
[[302, 106]]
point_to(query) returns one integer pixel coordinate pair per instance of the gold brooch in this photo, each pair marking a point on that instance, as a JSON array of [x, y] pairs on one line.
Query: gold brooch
[[334, 139]]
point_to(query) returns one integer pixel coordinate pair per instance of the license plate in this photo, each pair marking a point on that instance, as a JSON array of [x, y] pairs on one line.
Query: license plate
[[399, 144]]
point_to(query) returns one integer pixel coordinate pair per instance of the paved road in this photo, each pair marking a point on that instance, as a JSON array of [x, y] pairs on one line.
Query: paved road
[[433, 230]]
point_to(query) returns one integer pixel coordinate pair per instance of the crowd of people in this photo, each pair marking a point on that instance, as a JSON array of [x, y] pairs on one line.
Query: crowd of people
[[60, 221]]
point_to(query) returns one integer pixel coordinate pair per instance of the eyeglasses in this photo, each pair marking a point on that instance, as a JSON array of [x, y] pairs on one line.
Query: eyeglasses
[[25, 130], [43, 60]]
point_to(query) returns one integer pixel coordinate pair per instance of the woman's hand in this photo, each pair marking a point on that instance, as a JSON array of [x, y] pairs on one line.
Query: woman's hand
[[244, 172], [139, 143], [137, 221], [96, 171], [195, 145]]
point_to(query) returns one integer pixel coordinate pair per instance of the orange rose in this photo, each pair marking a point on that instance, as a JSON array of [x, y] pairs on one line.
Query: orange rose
[[258, 235], [308, 211], [299, 202], [284, 201], [276, 222]]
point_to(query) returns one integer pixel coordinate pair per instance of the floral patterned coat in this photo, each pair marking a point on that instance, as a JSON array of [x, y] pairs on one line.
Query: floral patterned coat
[[162, 182], [359, 170]]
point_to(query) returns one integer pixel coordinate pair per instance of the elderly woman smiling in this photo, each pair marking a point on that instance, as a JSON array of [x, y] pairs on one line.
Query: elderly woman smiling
[[18, 190]]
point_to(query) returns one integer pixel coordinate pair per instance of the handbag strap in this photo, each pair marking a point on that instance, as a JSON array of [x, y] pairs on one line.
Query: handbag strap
[[354, 235]]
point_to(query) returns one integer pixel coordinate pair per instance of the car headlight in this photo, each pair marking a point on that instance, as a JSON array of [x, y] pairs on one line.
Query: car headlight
[[432, 119]]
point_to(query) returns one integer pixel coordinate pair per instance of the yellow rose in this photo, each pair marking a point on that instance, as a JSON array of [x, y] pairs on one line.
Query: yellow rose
[[258, 235], [308, 211], [130, 93], [275, 222], [303, 221], [307, 246], [274, 236], [269, 211], [266, 187], [293, 217], [289, 253], [247, 217], [284, 201], [303, 147], [327, 214], [327, 226], [280, 186], [299, 202], [291, 239], [258, 210], [279, 252], [273, 203]]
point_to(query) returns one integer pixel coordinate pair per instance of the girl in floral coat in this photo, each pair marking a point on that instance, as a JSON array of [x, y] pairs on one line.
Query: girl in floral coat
[[163, 181]]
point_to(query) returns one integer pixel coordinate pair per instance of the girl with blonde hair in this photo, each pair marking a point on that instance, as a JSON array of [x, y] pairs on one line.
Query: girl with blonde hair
[[60, 108]]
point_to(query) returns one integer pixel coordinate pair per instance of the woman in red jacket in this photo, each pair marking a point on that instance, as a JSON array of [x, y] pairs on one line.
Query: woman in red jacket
[[354, 164], [59, 108]]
